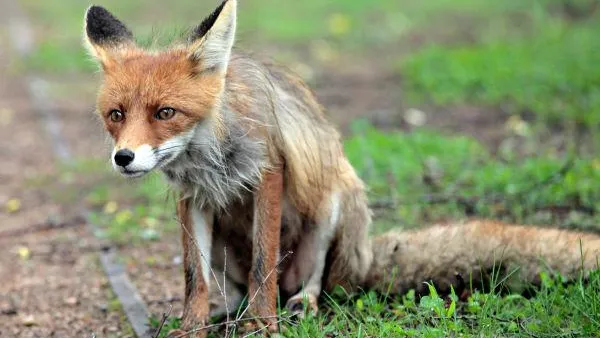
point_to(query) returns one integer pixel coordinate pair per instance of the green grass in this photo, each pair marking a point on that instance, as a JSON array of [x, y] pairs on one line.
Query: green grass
[[552, 73], [558, 310], [416, 167], [143, 213]]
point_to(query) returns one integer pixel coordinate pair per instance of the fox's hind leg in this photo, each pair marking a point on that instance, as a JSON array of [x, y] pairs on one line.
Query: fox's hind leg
[[351, 253], [308, 266], [307, 269]]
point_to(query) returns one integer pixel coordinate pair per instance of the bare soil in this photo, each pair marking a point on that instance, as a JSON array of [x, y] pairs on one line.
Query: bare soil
[[376, 94], [53, 286], [51, 282], [156, 270]]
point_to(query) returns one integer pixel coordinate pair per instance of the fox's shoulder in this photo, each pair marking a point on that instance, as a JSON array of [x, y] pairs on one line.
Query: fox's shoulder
[[249, 73]]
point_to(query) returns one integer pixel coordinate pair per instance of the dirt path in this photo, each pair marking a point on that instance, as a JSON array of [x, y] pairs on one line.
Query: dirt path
[[53, 286], [51, 281]]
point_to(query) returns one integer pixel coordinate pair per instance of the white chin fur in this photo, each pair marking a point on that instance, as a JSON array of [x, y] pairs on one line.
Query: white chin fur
[[144, 161], [171, 148], [147, 159]]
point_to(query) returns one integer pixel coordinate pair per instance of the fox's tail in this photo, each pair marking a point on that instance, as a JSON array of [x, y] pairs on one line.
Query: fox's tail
[[467, 254]]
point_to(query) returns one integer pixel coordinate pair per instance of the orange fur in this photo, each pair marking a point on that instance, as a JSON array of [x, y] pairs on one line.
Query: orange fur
[[263, 275], [461, 254], [196, 308], [143, 83]]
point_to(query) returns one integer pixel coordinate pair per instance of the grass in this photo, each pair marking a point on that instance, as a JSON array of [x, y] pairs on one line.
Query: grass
[[415, 167], [341, 22], [558, 310], [143, 213], [552, 72]]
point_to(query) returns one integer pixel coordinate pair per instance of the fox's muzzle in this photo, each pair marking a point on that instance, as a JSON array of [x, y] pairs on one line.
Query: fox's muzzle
[[134, 163]]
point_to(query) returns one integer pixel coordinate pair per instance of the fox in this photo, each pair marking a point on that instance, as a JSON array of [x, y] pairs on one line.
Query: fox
[[266, 196]]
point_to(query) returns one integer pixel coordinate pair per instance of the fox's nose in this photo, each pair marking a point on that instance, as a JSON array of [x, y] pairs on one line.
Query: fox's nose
[[123, 157]]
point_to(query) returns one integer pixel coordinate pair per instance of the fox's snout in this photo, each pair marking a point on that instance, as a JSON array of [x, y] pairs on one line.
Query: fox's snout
[[138, 161], [124, 157], [135, 162]]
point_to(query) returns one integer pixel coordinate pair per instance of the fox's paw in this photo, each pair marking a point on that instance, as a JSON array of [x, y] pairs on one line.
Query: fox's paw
[[302, 304], [267, 327], [178, 333]]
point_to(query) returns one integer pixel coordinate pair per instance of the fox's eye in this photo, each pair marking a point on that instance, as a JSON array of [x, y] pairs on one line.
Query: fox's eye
[[164, 114], [116, 115]]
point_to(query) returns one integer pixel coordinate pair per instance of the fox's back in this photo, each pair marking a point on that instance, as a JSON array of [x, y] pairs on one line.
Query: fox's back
[[280, 108]]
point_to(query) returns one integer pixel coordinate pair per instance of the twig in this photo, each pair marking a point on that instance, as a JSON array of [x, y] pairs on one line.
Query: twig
[[163, 321], [48, 225], [163, 301], [227, 323], [225, 289], [262, 283], [469, 204], [208, 264]]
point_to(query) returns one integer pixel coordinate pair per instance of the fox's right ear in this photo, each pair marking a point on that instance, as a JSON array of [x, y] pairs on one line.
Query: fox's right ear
[[211, 42], [105, 36]]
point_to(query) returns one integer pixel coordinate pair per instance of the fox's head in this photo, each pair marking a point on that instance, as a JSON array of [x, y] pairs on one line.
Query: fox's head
[[152, 102]]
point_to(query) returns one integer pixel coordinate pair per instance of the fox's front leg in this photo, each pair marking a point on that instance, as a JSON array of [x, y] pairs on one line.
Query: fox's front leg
[[266, 231], [196, 228]]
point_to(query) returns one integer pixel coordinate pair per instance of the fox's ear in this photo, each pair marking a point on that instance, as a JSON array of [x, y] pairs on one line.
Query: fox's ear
[[210, 42], [105, 36]]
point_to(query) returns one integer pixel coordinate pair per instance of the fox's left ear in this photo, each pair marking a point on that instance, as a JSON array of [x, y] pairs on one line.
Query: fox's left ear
[[105, 36], [210, 42]]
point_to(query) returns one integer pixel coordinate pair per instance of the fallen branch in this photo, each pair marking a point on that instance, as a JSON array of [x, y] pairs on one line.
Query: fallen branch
[[469, 204], [165, 316], [45, 226]]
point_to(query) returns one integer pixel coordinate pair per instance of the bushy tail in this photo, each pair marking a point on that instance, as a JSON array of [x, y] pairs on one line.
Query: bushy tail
[[467, 254]]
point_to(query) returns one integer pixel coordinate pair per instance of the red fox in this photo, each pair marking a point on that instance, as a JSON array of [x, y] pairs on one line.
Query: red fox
[[261, 173]]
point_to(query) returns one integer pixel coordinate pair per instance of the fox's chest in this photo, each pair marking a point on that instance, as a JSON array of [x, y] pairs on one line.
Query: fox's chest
[[235, 226], [218, 176]]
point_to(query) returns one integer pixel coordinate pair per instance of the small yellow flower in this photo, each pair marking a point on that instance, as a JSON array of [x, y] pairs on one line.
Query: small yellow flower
[[339, 24], [24, 252], [13, 205], [123, 216], [110, 207]]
